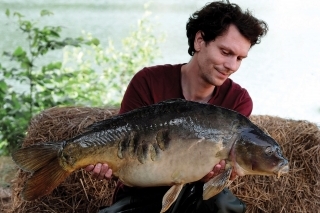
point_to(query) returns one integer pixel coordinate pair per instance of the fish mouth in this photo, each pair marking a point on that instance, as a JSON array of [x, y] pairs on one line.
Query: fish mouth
[[282, 170]]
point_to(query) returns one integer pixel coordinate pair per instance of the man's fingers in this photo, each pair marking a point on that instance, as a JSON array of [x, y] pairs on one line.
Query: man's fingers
[[216, 169], [104, 169], [108, 174], [220, 166], [99, 171], [96, 170], [207, 177], [89, 168], [223, 164]]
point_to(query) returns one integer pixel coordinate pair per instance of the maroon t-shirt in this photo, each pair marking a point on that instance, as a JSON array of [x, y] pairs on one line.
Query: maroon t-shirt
[[159, 83]]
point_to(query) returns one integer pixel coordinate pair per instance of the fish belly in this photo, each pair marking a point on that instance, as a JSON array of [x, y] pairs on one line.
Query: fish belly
[[183, 162]]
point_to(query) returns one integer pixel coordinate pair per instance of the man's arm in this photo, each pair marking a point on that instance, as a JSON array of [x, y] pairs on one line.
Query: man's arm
[[245, 106], [138, 93]]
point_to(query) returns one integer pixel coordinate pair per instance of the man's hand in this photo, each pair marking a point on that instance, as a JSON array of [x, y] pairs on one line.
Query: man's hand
[[99, 171], [217, 169]]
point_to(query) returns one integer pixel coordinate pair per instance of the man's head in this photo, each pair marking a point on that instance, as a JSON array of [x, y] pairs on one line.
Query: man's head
[[215, 18]]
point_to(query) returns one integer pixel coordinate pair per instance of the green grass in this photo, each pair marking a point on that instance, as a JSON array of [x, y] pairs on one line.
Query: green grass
[[7, 171]]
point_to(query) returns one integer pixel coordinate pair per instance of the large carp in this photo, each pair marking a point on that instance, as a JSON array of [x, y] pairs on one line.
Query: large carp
[[170, 143]]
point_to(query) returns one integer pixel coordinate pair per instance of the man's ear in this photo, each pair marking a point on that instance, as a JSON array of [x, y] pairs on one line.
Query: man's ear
[[198, 41]]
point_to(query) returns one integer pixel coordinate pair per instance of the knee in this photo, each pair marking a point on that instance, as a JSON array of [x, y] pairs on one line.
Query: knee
[[225, 202]]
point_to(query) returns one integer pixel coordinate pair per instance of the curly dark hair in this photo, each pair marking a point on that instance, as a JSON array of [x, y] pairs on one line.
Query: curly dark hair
[[215, 18]]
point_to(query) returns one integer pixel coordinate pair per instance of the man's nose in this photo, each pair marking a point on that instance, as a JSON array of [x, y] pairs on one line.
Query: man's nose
[[232, 64]]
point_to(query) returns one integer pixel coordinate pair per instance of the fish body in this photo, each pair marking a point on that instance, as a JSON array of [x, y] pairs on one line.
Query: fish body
[[166, 144]]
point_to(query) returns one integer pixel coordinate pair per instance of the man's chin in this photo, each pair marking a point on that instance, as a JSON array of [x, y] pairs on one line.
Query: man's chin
[[219, 82]]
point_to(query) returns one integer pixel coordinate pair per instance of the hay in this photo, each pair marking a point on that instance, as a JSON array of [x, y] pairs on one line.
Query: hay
[[299, 191], [5, 194], [79, 193]]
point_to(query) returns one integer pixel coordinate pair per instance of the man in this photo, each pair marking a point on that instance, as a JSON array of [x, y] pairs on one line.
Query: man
[[220, 36]]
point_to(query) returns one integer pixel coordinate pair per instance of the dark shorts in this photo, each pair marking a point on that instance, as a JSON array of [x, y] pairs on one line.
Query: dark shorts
[[148, 200]]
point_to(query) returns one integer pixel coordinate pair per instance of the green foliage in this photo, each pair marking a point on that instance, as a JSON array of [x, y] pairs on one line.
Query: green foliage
[[117, 66], [88, 75], [42, 86]]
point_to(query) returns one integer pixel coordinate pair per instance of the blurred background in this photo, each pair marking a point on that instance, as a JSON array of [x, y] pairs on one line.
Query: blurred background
[[281, 74]]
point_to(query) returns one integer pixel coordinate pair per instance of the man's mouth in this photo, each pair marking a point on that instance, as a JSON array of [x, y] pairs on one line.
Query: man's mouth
[[222, 73], [225, 74]]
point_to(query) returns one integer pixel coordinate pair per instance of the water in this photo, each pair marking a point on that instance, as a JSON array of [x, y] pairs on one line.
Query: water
[[281, 74]]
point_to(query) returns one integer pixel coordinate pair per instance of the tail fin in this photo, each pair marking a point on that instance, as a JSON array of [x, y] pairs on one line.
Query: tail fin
[[44, 181], [34, 157], [42, 160]]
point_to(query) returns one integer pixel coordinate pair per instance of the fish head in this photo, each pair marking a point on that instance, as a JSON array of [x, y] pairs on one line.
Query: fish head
[[256, 153]]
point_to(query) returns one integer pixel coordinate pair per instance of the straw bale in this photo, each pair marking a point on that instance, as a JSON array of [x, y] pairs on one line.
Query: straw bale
[[5, 194], [79, 192], [297, 191]]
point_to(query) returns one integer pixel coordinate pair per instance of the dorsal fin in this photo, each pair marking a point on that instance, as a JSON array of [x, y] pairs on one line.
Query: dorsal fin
[[107, 123]]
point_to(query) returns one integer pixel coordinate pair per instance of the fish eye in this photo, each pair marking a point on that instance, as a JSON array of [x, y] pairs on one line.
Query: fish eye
[[269, 150]]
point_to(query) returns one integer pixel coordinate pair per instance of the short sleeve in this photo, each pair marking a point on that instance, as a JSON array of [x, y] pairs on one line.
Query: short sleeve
[[244, 104], [137, 94]]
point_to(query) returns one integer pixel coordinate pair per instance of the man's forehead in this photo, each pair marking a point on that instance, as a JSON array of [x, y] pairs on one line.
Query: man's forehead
[[234, 41]]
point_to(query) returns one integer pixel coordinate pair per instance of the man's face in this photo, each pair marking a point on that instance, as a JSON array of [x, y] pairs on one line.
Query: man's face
[[220, 58]]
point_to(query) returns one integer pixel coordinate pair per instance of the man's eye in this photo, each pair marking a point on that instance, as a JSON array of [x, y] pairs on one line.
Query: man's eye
[[225, 53]]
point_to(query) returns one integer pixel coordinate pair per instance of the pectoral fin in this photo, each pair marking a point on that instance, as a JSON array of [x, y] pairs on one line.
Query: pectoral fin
[[170, 196], [216, 184]]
